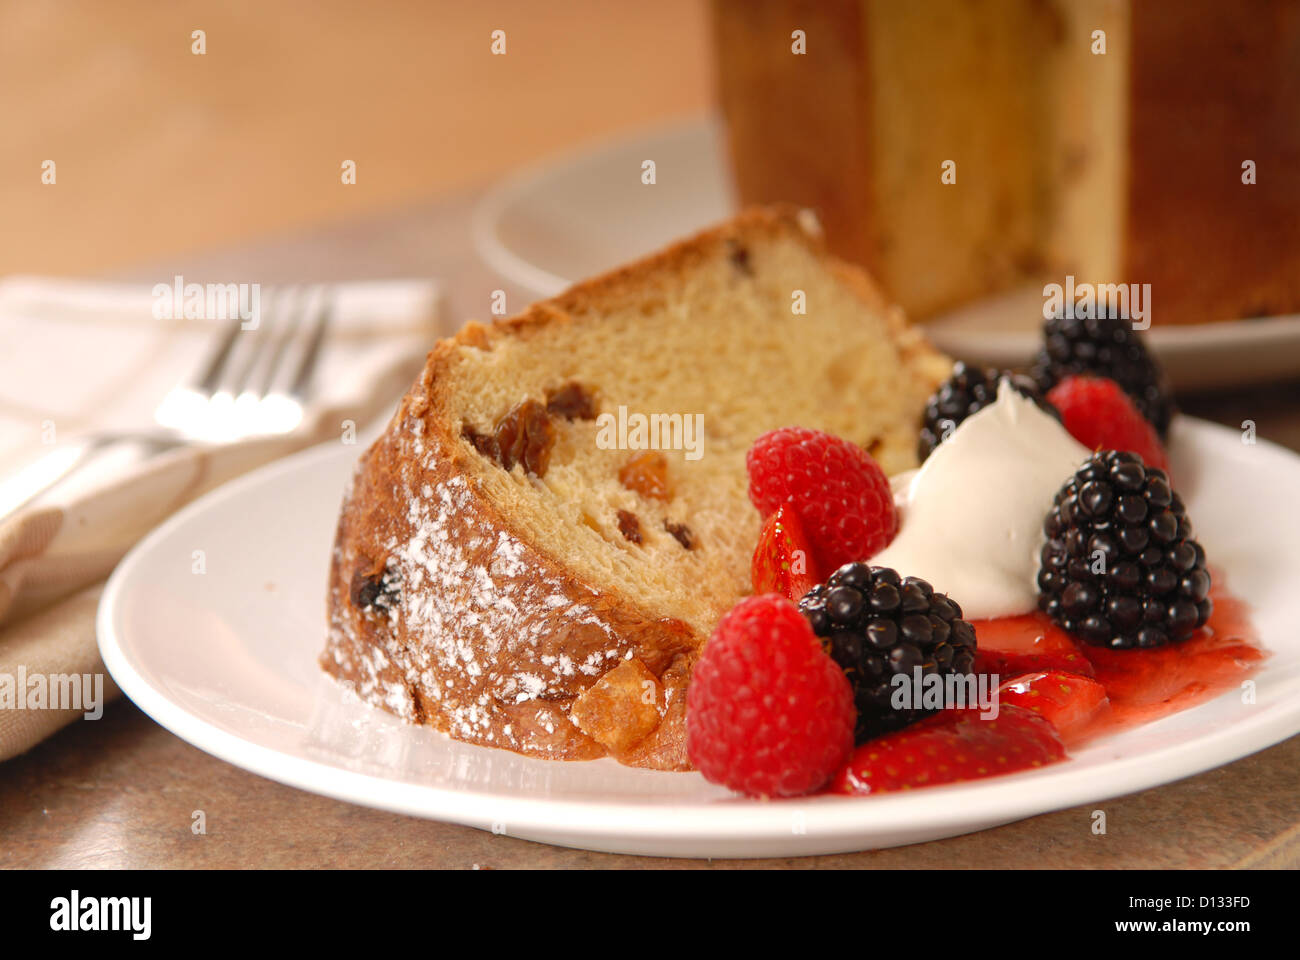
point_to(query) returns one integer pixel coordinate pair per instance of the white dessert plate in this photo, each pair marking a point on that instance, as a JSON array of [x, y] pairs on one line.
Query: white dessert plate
[[583, 213], [220, 647]]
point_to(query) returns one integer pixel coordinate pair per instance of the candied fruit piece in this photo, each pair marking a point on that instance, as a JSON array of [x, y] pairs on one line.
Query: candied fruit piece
[[572, 401], [621, 708], [374, 586], [682, 532], [629, 526], [524, 435], [739, 256], [646, 474]]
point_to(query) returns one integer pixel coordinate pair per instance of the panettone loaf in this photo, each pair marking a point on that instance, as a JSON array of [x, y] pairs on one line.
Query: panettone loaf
[[513, 567], [860, 125], [1151, 146], [1116, 141]]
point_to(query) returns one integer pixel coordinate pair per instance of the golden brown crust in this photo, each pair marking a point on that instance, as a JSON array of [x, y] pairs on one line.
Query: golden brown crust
[[1214, 85], [627, 284], [1209, 86], [444, 613], [766, 91], [554, 635]]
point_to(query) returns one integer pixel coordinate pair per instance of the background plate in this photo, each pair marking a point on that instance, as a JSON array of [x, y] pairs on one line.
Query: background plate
[[226, 659], [586, 212]]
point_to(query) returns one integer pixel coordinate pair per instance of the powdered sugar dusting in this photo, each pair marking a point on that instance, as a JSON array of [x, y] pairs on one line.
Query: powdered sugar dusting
[[469, 612]]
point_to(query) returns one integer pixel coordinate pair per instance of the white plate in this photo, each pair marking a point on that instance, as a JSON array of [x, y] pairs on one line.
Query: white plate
[[584, 213], [226, 659]]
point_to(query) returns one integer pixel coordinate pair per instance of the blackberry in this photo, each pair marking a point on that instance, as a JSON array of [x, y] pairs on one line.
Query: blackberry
[[876, 624], [1105, 346], [1120, 568], [967, 391]]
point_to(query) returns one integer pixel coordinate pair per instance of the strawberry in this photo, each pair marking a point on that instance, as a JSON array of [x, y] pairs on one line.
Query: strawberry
[[1066, 700], [1010, 646], [1101, 416], [783, 560], [950, 746]]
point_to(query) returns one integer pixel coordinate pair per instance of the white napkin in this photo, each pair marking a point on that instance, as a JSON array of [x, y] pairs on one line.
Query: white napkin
[[80, 357]]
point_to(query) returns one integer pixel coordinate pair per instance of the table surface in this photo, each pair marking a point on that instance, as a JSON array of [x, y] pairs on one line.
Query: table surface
[[121, 791]]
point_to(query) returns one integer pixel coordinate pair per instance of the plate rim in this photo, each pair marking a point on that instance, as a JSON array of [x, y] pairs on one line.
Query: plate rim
[[485, 218], [720, 820]]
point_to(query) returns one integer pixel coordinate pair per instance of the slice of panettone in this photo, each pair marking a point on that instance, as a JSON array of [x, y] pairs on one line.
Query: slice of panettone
[[533, 553]]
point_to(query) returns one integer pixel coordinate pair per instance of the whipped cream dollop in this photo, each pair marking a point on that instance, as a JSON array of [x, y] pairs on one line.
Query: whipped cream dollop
[[972, 516]]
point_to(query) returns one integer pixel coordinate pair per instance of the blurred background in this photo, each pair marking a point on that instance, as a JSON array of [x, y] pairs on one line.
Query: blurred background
[[160, 151], [479, 174]]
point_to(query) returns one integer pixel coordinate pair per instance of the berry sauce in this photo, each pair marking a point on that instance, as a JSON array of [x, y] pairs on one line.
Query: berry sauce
[[1142, 685]]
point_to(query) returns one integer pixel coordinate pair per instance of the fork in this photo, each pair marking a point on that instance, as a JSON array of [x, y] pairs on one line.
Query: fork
[[253, 382]]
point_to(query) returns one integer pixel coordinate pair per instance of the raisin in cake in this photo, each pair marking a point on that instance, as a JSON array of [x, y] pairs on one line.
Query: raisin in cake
[[513, 569], [1116, 167]]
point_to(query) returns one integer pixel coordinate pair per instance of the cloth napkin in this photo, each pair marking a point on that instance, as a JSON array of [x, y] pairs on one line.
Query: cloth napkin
[[80, 357]]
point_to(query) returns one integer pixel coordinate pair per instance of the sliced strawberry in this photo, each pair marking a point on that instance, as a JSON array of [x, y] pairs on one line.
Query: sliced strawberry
[[1143, 684], [1010, 646], [950, 746], [1101, 416], [1066, 700], [783, 561]]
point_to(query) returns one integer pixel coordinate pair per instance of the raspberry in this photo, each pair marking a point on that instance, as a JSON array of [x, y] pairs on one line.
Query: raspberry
[[840, 494], [767, 712], [965, 393], [1120, 568], [1101, 416]]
